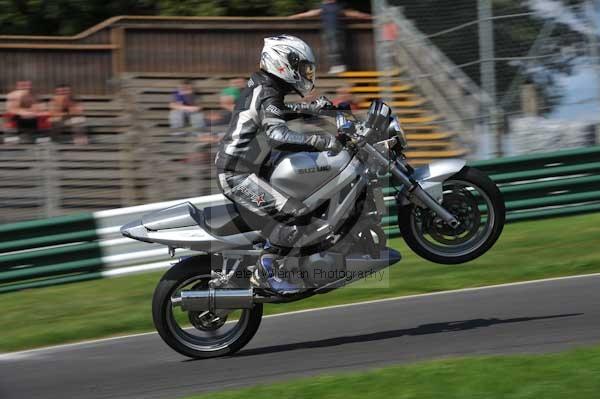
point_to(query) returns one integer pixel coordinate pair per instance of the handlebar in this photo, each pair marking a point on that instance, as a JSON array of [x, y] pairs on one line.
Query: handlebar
[[358, 132]]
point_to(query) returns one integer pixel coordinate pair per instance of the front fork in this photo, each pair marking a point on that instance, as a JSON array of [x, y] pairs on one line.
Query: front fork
[[416, 193]]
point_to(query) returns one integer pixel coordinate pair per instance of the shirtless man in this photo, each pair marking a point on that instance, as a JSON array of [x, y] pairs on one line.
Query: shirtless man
[[22, 109]]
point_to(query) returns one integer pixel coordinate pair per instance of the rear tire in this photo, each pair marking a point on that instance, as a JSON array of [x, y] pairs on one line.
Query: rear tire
[[406, 216], [181, 272]]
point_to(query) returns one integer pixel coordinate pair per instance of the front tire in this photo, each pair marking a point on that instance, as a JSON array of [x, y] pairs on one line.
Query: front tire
[[218, 339], [483, 206]]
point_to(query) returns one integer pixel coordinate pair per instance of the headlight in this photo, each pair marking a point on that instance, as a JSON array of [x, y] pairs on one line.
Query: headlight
[[395, 129]]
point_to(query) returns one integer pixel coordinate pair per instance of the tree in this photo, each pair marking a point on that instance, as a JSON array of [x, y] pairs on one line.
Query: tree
[[64, 17], [69, 17], [248, 7]]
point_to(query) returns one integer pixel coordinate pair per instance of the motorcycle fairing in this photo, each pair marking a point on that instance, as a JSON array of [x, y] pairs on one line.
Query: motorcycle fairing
[[432, 176], [185, 226]]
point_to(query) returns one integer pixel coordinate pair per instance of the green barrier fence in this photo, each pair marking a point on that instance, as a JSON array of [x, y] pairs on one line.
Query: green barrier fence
[[69, 249]]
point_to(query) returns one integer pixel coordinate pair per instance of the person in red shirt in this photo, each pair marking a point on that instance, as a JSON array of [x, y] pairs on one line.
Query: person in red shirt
[[345, 99]]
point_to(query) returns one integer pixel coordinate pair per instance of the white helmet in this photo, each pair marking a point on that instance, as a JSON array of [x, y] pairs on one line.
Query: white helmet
[[291, 60]]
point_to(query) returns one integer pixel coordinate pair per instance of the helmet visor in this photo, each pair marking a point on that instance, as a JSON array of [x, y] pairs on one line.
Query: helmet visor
[[307, 71]]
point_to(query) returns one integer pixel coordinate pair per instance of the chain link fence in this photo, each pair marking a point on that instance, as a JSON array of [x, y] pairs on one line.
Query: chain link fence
[[528, 70]]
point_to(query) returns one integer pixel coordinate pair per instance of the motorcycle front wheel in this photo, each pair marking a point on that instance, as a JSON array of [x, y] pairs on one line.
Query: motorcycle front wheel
[[475, 200], [199, 335]]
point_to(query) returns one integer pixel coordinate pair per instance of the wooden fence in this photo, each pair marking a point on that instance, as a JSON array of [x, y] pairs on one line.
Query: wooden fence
[[92, 61]]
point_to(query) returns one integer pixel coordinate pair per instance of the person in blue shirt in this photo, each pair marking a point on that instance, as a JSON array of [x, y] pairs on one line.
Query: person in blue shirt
[[331, 13], [184, 109]]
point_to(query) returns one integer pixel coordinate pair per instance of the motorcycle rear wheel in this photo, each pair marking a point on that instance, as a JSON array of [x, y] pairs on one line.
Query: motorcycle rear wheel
[[208, 336], [478, 204]]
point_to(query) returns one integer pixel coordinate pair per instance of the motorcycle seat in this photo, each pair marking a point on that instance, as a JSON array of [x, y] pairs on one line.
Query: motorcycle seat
[[227, 220], [178, 216]]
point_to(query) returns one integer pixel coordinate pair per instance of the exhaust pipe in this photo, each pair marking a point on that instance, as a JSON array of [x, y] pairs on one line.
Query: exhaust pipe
[[230, 299], [213, 299]]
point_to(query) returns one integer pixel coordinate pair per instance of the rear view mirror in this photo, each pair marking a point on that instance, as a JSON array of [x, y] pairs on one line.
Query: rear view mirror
[[378, 118]]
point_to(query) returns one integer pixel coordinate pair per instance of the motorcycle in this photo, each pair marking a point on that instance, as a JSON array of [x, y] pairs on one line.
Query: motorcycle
[[205, 306]]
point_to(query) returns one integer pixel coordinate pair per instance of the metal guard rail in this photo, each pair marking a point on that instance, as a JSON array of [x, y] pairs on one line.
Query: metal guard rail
[[88, 246]]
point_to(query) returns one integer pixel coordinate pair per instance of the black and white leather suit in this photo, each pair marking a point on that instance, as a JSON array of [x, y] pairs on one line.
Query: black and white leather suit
[[258, 127]]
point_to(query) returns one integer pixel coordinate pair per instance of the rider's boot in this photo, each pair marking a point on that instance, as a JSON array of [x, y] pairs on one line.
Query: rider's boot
[[269, 275]]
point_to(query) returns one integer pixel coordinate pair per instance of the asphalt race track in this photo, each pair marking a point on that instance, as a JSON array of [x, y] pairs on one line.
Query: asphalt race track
[[531, 318]]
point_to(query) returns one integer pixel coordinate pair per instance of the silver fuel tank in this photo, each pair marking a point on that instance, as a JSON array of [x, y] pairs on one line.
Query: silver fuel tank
[[301, 174]]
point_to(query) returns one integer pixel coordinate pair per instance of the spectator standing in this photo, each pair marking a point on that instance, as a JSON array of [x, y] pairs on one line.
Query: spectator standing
[[332, 31], [66, 115], [184, 109]]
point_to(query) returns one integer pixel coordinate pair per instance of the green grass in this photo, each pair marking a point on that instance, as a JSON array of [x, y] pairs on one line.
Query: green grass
[[101, 308], [571, 375]]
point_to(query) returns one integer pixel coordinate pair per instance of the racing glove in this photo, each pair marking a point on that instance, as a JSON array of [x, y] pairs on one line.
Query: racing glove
[[318, 105], [326, 143], [321, 103]]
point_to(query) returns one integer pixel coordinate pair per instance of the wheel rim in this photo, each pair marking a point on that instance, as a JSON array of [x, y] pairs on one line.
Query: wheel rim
[[208, 332], [471, 206]]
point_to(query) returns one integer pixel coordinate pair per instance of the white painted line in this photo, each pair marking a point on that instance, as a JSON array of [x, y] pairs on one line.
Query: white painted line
[[429, 294], [26, 353]]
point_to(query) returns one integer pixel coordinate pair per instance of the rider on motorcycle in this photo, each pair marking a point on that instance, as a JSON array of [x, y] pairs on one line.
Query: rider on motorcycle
[[258, 126]]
